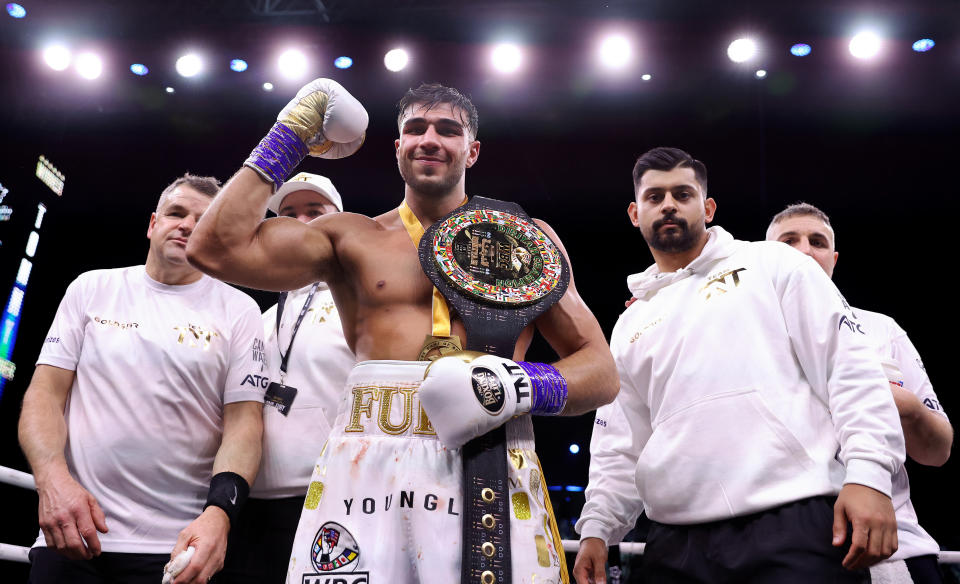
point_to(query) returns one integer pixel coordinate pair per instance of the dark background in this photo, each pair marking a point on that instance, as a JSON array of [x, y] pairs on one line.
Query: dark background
[[872, 144]]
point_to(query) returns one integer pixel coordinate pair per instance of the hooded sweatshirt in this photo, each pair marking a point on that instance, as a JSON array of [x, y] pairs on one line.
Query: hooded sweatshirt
[[746, 384]]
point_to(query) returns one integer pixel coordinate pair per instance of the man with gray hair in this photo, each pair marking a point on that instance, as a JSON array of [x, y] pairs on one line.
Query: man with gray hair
[[146, 402], [927, 430]]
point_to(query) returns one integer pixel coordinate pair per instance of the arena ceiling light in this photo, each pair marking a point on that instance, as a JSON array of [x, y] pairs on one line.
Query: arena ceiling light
[[646, 77], [139, 69], [238, 65], [865, 45], [292, 64], [169, 89], [923, 45], [742, 50], [615, 52], [506, 57], [268, 86], [57, 57], [15, 10], [189, 65], [396, 60], [343, 62], [800, 50], [89, 65]]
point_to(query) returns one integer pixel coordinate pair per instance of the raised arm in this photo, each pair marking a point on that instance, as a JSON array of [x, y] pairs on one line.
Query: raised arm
[[232, 242]]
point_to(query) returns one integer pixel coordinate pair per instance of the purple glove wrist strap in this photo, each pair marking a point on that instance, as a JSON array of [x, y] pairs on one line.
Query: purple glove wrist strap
[[277, 154], [549, 392]]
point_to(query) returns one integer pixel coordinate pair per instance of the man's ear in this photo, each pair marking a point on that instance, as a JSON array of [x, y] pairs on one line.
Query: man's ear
[[473, 153], [153, 222], [634, 212], [709, 208]]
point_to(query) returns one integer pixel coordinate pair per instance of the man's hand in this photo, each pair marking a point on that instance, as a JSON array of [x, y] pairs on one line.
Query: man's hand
[[208, 534], [70, 517], [591, 564], [874, 535]]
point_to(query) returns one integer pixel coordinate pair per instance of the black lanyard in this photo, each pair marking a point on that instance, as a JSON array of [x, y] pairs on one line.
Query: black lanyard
[[284, 358]]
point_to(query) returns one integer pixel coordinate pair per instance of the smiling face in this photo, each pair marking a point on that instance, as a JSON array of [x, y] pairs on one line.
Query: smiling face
[[435, 148], [671, 210], [809, 235], [172, 224]]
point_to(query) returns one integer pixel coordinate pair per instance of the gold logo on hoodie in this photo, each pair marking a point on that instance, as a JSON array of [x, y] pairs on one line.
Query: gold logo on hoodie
[[721, 283], [195, 336]]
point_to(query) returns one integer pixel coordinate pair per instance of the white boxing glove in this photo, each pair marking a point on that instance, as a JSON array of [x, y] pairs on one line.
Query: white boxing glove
[[329, 120], [467, 394], [323, 120]]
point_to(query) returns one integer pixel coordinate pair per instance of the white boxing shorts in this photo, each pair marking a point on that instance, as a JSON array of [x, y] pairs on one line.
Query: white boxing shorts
[[385, 498]]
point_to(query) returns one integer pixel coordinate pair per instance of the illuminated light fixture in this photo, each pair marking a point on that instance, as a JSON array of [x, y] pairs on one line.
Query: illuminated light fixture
[[865, 45], [268, 86], [923, 45], [89, 66], [761, 73], [189, 65], [139, 69], [615, 52], [238, 65], [15, 10], [57, 57], [646, 77], [396, 60], [742, 50], [23, 274], [574, 448], [169, 90], [573, 488], [800, 50], [506, 58], [292, 64], [343, 62], [32, 242]]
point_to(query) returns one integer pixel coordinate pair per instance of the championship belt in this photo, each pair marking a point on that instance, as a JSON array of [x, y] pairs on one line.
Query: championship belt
[[499, 271]]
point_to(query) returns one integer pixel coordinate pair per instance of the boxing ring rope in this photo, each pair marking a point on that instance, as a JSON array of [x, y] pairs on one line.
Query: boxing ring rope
[[16, 553]]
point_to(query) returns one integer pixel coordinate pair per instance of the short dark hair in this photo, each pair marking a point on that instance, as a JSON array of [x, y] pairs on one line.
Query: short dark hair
[[206, 185], [800, 209], [429, 95], [666, 159]]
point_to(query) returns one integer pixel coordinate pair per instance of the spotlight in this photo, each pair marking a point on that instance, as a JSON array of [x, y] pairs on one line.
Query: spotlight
[[139, 69], [268, 86], [169, 90], [646, 77], [761, 73], [865, 45], [615, 52], [292, 64], [506, 58], [89, 66], [15, 10], [189, 65], [800, 50], [238, 65], [923, 45], [742, 50], [396, 60], [574, 448], [343, 62], [57, 57]]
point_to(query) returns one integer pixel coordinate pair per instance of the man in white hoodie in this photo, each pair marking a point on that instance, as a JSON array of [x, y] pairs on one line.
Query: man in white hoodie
[[927, 430], [753, 424]]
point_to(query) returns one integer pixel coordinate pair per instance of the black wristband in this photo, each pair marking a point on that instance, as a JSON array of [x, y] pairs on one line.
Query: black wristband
[[229, 491]]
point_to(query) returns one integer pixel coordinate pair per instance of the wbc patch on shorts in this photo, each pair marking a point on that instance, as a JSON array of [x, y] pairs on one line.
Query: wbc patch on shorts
[[334, 548]]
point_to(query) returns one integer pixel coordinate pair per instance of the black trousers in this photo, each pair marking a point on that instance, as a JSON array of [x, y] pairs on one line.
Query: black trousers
[[924, 570], [48, 566], [790, 544], [260, 543]]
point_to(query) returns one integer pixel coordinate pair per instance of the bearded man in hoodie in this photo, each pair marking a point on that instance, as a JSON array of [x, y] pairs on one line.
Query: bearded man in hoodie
[[754, 425]]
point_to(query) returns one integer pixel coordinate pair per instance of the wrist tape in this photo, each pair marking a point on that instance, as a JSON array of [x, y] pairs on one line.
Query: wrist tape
[[229, 491], [548, 393], [275, 157]]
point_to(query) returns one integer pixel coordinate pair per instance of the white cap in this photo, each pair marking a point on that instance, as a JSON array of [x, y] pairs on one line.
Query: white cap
[[306, 181]]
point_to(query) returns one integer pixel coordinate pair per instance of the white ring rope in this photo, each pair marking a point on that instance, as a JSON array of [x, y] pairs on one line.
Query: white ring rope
[[17, 553]]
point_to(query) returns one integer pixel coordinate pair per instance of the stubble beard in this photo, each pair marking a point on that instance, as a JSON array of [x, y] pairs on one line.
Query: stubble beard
[[431, 188]]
